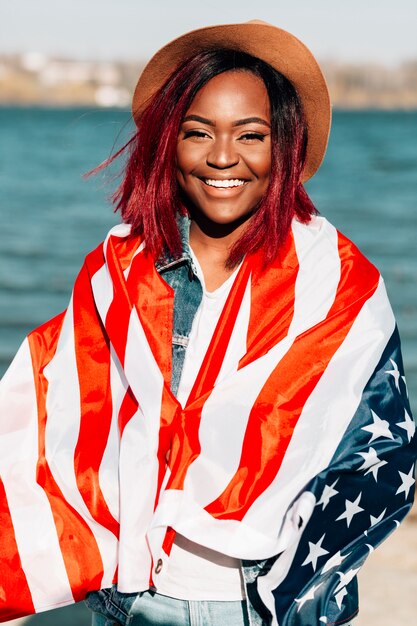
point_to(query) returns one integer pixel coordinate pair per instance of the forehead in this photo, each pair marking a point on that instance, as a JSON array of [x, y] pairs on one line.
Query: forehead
[[234, 94]]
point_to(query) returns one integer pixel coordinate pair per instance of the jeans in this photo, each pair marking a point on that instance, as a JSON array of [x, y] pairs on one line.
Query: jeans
[[153, 609]]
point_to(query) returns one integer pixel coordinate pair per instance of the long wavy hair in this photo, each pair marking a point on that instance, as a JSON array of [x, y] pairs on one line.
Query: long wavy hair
[[149, 197]]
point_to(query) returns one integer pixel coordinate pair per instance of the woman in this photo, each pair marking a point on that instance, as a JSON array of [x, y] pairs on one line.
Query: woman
[[228, 355]]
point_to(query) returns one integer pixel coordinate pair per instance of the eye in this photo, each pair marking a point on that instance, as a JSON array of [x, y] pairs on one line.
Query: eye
[[197, 134], [252, 137]]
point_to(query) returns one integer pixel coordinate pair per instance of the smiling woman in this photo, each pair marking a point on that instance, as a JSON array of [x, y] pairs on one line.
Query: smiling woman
[[217, 430]]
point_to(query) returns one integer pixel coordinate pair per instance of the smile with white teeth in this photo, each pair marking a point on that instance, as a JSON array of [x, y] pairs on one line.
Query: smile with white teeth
[[224, 184]]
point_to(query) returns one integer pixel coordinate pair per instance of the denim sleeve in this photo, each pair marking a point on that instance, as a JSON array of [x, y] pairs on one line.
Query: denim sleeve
[[188, 294]]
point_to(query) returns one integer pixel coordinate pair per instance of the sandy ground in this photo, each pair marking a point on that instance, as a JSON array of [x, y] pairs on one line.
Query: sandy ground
[[388, 580], [387, 583]]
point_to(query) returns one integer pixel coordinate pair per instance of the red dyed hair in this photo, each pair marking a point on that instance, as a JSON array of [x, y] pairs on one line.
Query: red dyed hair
[[149, 197]]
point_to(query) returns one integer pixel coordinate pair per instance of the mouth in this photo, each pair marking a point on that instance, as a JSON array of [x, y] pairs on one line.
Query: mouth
[[229, 183]]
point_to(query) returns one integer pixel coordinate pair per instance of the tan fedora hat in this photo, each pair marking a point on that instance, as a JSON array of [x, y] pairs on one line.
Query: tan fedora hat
[[283, 51]]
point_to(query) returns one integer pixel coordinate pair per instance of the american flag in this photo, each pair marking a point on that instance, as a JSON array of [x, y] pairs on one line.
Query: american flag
[[297, 439]]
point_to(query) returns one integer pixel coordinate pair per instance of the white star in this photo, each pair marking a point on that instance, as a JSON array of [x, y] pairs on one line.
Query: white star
[[395, 373], [307, 596], [328, 493], [405, 385], [407, 482], [375, 520], [370, 548], [379, 429], [346, 578], [334, 561], [316, 551], [396, 522], [371, 462], [374, 470], [408, 425], [339, 597], [323, 619], [352, 508]]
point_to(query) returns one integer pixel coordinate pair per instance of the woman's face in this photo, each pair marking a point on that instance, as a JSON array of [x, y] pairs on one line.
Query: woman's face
[[224, 148]]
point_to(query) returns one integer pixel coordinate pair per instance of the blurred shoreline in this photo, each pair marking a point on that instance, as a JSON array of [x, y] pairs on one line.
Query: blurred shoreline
[[34, 79]]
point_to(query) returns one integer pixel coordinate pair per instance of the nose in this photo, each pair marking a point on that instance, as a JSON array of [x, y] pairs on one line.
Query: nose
[[222, 154]]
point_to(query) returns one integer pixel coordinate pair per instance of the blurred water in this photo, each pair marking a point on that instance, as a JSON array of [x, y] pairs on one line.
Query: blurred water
[[51, 217]]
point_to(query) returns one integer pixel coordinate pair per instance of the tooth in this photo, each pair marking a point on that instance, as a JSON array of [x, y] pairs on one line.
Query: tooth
[[222, 184]]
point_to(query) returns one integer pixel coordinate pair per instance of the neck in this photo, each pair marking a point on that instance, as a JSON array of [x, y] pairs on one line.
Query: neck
[[216, 237], [212, 252]]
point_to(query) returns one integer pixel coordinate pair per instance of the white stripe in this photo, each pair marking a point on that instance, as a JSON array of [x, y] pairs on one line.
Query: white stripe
[[109, 466], [143, 374], [138, 481], [122, 230], [118, 230], [61, 436], [102, 287], [318, 274], [298, 516], [327, 414], [138, 460], [234, 538], [33, 523]]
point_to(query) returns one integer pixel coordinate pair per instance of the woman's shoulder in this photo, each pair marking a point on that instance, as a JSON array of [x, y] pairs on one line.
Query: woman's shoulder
[[321, 236], [120, 243], [327, 256]]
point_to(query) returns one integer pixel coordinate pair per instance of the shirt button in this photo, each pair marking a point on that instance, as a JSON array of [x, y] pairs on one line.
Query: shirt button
[[158, 566]]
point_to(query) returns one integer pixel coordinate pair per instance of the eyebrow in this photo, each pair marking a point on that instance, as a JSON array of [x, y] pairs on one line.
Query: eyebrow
[[246, 120]]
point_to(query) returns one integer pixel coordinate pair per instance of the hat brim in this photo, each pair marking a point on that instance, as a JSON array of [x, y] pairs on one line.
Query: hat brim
[[279, 48]]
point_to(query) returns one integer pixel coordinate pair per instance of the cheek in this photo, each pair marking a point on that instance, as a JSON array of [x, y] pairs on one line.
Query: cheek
[[181, 171], [188, 157], [260, 163]]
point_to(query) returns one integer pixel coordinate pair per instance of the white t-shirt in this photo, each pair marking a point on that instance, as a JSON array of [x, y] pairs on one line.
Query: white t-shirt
[[202, 330], [192, 571]]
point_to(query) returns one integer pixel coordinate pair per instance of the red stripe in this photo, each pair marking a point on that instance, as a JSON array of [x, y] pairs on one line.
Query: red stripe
[[125, 248], [280, 403], [154, 302], [127, 410], [272, 302], [118, 315], [79, 548], [96, 407], [15, 596]]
